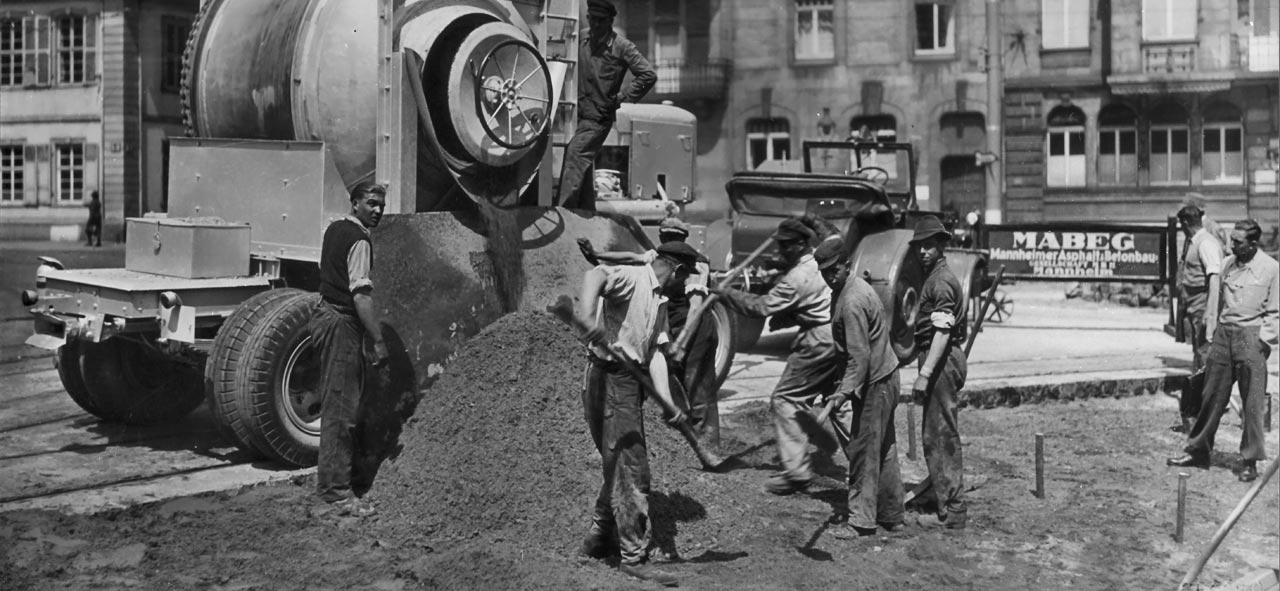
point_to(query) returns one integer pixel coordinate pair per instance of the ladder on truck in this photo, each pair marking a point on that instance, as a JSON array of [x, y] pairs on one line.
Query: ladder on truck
[[557, 29]]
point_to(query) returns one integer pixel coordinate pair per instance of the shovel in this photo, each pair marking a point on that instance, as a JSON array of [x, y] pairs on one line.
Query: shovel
[[563, 310], [818, 436]]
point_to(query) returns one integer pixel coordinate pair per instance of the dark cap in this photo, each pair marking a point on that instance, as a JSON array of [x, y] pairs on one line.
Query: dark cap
[[829, 253], [602, 8], [1190, 212], [928, 227], [673, 225], [679, 252], [791, 230]]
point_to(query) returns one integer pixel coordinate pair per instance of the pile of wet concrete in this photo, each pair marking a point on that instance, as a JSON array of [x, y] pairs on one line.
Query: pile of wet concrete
[[498, 450]]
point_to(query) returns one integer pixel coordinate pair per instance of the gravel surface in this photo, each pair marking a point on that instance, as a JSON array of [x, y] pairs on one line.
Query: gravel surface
[[494, 484]]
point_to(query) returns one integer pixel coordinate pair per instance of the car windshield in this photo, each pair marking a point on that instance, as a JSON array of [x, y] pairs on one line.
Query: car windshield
[[880, 163]]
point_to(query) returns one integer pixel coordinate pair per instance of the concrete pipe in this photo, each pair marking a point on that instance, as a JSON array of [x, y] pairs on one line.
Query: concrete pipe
[[307, 70]]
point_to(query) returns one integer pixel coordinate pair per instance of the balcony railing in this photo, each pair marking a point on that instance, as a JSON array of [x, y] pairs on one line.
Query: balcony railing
[[691, 80], [1169, 59]]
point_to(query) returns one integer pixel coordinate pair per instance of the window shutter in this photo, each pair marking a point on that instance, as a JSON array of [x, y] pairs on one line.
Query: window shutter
[[40, 36], [29, 153], [90, 152], [43, 151], [90, 47]]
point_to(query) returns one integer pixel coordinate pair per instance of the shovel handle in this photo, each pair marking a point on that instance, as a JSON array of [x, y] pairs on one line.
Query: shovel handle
[[681, 347]]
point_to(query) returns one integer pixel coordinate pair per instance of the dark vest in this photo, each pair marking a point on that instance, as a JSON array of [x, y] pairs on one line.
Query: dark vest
[[335, 280]]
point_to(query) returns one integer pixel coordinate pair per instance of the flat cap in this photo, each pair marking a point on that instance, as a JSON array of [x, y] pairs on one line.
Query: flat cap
[[679, 252], [673, 225], [830, 252], [791, 230], [928, 227], [602, 8]]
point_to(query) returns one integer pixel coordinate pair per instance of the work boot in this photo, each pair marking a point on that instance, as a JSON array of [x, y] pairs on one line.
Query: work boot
[[597, 547], [845, 531], [781, 485], [953, 521], [355, 507], [1189, 461], [1248, 471], [647, 572]]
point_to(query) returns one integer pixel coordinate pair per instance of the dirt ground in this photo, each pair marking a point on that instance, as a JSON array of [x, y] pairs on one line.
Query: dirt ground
[[493, 488]]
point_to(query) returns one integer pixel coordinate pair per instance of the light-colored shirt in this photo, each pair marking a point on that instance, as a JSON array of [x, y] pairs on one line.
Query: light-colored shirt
[[1202, 259], [634, 316], [359, 260], [801, 294], [1251, 295]]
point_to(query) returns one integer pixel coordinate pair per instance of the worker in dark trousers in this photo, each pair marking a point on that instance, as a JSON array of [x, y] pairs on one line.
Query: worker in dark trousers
[[625, 310], [866, 397], [696, 373], [1198, 270], [93, 227], [1248, 328], [801, 298], [940, 335], [604, 58], [343, 317]]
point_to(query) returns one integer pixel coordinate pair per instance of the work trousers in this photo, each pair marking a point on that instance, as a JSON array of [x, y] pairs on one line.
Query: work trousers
[[338, 337], [1236, 356], [875, 482], [697, 374], [577, 185], [940, 434], [1194, 329], [813, 368], [612, 402]]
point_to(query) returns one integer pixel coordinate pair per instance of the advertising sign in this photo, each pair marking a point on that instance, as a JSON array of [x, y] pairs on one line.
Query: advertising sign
[[1080, 252]]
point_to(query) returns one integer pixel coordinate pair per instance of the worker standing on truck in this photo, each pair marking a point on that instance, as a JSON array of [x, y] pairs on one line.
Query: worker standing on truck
[[866, 396], [697, 372], [940, 336], [604, 58], [343, 317], [801, 298], [631, 322]]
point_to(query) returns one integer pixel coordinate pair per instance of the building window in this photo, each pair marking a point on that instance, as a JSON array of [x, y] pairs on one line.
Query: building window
[[73, 62], [11, 181], [1066, 163], [873, 128], [935, 34], [1170, 156], [1169, 20], [1117, 146], [173, 42], [12, 52], [69, 170], [1222, 157], [767, 139], [815, 30], [1065, 24]]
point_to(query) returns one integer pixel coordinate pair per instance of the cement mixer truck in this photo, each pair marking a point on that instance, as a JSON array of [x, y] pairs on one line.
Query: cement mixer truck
[[459, 107]]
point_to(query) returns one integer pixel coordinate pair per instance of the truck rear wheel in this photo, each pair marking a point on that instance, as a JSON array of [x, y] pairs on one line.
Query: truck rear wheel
[[67, 363], [263, 373], [130, 382]]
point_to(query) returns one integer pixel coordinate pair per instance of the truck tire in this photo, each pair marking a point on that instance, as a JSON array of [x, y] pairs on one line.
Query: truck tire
[[67, 362], [970, 267], [887, 262], [262, 374], [726, 335], [130, 382], [747, 331]]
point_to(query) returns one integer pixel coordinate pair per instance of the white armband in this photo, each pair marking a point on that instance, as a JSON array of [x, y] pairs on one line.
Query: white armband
[[942, 320]]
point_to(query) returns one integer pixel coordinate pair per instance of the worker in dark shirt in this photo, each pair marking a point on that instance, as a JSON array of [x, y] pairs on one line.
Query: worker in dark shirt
[[93, 228], [343, 316], [604, 58], [940, 334]]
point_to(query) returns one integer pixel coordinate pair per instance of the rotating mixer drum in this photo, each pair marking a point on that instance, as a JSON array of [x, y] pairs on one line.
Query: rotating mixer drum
[[307, 70]]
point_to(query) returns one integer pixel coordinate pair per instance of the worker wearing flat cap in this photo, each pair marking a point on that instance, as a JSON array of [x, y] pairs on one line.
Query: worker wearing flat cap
[[626, 314], [604, 58], [941, 331], [694, 382], [800, 298], [865, 398]]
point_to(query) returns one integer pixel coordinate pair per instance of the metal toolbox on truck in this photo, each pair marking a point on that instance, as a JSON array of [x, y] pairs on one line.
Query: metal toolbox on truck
[[192, 248]]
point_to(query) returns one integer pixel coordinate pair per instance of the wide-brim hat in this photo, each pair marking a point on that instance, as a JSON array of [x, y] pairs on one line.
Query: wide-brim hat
[[927, 227]]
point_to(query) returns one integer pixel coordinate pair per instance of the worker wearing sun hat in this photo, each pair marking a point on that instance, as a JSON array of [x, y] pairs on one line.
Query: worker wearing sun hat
[[940, 334]]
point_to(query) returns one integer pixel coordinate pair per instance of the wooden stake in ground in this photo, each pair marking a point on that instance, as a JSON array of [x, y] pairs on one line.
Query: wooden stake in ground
[[1182, 506], [1040, 465]]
